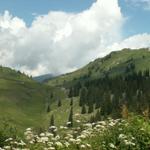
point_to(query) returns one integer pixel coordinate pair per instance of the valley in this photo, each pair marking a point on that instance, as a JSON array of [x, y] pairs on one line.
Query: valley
[[111, 90]]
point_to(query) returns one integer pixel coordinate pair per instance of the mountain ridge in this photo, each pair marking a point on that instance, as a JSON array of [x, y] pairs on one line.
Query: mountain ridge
[[113, 63], [43, 78], [26, 101]]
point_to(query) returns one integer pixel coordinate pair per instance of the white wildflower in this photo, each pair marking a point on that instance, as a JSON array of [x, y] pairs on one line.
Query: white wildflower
[[82, 146], [59, 144], [111, 145]]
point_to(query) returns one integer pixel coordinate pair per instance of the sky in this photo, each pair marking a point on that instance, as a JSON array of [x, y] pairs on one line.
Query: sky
[[53, 36]]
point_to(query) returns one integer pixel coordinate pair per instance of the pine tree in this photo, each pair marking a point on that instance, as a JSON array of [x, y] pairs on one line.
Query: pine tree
[[107, 104], [92, 119], [71, 93], [97, 104], [48, 109], [52, 122], [59, 103], [83, 96], [52, 96], [83, 111], [71, 102], [91, 108], [98, 115], [70, 120]]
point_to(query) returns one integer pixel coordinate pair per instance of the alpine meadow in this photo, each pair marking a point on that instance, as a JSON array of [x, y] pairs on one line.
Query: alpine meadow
[[75, 75]]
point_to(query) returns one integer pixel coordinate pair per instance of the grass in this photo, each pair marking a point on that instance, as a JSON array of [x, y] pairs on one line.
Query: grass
[[132, 133], [23, 102], [61, 114]]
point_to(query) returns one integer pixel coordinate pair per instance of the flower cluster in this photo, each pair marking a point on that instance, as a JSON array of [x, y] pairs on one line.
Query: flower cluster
[[109, 134]]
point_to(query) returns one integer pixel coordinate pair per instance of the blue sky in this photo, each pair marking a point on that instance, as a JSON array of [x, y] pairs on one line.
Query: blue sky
[[25, 8], [138, 18]]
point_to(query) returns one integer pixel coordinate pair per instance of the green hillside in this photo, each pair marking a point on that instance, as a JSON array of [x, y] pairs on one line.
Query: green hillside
[[22, 100], [109, 93], [115, 63]]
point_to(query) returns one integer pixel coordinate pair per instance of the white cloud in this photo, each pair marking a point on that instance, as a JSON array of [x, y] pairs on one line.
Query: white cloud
[[60, 42], [133, 42]]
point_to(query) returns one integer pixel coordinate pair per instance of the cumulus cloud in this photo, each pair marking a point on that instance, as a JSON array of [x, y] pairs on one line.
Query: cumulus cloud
[[133, 42], [60, 42]]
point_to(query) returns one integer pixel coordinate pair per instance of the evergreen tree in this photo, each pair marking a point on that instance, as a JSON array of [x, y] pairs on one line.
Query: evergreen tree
[[91, 108], [92, 119], [98, 115], [52, 122], [83, 96], [70, 119], [83, 111], [130, 90], [48, 109], [51, 96], [71, 102], [107, 104], [71, 93], [59, 103], [97, 104]]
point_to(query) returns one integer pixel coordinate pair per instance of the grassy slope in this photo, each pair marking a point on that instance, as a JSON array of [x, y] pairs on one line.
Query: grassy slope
[[114, 62], [22, 100], [61, 114]]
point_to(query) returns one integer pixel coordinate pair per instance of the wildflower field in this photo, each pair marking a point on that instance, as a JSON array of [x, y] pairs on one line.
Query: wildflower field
[[121, 134]]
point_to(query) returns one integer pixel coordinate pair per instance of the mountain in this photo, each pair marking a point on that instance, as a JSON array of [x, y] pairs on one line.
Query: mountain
[[116, 63], [43, 78], [116, 84], [24, 102]]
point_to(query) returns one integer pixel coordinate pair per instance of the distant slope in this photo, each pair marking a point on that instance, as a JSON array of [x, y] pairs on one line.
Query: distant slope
[[10, 74], [22, 100], [42, 78], [115, 63]]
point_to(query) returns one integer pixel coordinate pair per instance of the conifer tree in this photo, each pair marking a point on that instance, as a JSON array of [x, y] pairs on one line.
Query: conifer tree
[[92, 119], [48, 109], [70, 119], [97, 104], [83, 96], [71, 94], [71, 102], [83, 111], [52, 96], [91, 108], [98, 115], [52, 122], [59, 103]]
